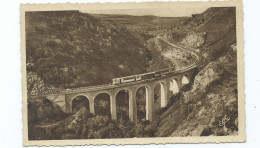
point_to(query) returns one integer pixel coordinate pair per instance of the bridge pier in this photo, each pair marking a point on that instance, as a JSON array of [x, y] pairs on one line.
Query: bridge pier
[[179, 83], [168, 92], [189, 78], [132, 107], [149, 104], [112, 90], [92, 107], [113, 107], [164, 94]]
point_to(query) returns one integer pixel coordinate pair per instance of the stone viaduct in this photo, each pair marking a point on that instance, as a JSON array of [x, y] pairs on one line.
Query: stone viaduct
[[66, 97]]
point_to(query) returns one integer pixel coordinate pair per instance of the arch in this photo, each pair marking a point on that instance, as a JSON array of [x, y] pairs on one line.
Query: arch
[[160, 95], [78, 102], [102, 92], [174, 85], [123, 104], [142, 102], [146, 86], [185, 79], [102, 104]]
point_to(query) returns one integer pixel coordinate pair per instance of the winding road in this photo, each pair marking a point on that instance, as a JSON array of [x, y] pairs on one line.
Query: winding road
[[110, 86]]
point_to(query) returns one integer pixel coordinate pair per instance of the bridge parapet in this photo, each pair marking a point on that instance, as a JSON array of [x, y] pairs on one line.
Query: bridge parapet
[[66, 97], [113, 90]]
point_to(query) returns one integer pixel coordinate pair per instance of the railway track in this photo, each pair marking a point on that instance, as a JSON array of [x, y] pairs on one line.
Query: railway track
[[110, 85]]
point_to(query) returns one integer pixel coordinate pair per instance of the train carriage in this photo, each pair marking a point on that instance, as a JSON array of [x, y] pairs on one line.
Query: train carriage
[[147, 75], [116, 81], [144, 76], [128, 79]]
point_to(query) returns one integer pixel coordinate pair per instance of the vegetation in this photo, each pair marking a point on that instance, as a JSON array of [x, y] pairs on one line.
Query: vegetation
[[145, 27], [213, 97], [82, 43], [77, 49]]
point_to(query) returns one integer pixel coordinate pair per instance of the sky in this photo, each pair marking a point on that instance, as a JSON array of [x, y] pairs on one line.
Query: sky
[[161, 12]]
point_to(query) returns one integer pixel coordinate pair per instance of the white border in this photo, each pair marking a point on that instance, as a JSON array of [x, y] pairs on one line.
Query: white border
[[10, 75]]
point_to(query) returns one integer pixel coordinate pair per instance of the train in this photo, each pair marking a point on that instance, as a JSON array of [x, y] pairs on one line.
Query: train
[[143, 76]]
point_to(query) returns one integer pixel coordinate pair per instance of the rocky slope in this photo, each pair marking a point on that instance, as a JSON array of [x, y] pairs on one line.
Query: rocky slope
[[68, 48], [212, 98], [35, 85], [143, 26], [81, 125], [169, 55], [210, 107]]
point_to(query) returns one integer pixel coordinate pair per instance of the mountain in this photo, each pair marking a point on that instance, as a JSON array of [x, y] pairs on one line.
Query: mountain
[[210, 107], [142, 23], [211, 32], [72, 49], [143, 27]]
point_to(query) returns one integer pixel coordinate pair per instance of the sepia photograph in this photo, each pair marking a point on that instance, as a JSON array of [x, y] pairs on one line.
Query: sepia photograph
[[158, 72]]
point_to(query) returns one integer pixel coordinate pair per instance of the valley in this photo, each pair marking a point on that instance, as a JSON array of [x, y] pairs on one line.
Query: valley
[[97, 48]]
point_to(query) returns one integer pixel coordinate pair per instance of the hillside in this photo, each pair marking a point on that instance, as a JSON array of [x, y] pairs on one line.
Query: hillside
[[207, 107], [93, 51], [144, 27], [210, 107], [210, 32], [142, 23]]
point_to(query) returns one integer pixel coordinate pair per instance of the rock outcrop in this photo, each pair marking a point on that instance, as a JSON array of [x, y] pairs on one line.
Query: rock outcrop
[[194, 40], [42, 110], [210, 107], [212, 72], [81, 125]]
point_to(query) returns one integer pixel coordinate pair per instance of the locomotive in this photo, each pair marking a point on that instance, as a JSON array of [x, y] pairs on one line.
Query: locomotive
[[143, 76]]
